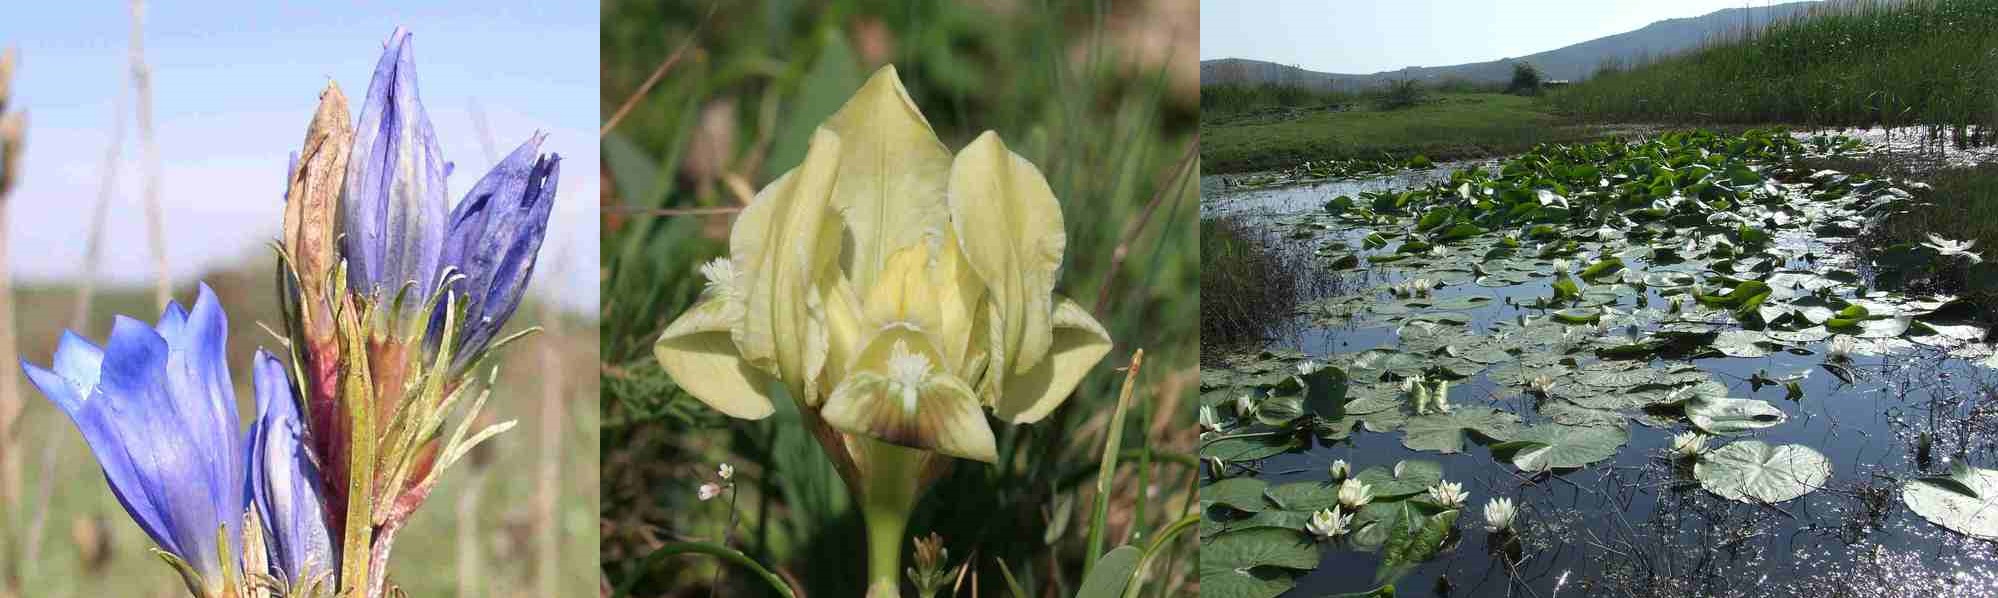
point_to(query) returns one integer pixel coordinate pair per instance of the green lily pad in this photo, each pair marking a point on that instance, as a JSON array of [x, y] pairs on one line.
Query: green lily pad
[[1445, 432], [1966, 501], [1255, 563], [1755, 472], [1721, 415], [1555, 446], [1241, 494], [1415, 478]]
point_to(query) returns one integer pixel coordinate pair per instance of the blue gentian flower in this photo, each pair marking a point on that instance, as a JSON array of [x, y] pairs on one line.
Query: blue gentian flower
[[285, 485], [495, 234], [156, 406], [393, 209]]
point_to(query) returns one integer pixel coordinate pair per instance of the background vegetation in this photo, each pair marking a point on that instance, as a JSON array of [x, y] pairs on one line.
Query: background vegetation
[[1848, 63], [1100, 95]]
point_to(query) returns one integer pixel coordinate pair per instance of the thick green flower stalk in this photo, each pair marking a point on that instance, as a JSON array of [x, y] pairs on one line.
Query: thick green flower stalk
[[896, 293]]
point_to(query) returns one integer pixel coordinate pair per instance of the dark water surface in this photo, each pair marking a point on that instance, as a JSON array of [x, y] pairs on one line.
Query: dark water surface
[[1632, 525]]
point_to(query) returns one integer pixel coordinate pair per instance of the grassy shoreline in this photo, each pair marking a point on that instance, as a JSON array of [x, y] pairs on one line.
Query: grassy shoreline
[[1448, 126]]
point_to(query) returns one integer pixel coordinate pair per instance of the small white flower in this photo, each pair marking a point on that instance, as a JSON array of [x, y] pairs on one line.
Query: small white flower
[[1210, 418], [1560, 267], [726, 471], [1309, 367], [708, 491], [1245, 406], [1498, 514], [1687, 445], [1341, 470], [1841, 349], [1329, 523], [1449, 494], [1438, 252], [1947, 248], [1353, 494]]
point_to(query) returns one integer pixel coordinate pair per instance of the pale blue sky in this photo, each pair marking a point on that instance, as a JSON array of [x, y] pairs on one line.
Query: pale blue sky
[[1368, 36], [235, 83]]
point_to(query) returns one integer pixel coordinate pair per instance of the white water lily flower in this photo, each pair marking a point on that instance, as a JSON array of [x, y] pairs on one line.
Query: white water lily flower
[[1541, 384], [726, 471], [1560, 267], [1499, 513], [1341, 470], [1418, 392], [1449, 494], [1948, 247], [1210, 418], [1245, 406], [1353, 494], [1329, 523], [1840, 349], [1438, 252], [1309, 367], [1687, 445], [708, 491]]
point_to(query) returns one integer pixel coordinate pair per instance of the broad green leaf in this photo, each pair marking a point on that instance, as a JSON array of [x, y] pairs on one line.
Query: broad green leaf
[[1415, 478], [1444, 432], [1754, 472], [1555, 446], [1241, 494], [1724, 416], [1256, 563], [1965, 501]]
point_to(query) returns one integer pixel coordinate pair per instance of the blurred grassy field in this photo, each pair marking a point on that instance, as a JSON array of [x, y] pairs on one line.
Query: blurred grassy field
[[1101, 96], [91, 548]]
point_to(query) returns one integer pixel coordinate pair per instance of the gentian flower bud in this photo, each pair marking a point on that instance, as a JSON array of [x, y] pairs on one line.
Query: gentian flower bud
[[394, 206], [495, 234], [285, 485]]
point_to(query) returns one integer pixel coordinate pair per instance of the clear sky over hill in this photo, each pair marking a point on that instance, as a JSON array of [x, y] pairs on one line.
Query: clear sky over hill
[[1367, 36], [233, 88]]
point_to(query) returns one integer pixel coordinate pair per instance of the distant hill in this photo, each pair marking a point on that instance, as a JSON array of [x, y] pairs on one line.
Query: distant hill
[[1573, 63]]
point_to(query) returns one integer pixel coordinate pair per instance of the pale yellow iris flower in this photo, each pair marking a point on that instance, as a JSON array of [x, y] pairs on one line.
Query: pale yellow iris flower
[[896, 289]]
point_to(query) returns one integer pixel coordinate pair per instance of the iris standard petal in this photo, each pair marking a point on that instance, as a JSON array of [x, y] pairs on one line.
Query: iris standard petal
[[1010, 227], [495, 234], [892, 172], [1079, 343], [156, 407], [285, 486], [782, 243], [394, 206]]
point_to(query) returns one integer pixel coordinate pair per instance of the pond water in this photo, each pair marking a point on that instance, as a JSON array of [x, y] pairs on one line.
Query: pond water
[[1912, 400]]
